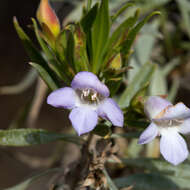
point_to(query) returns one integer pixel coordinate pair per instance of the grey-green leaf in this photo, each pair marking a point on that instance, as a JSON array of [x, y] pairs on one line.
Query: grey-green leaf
[[158, 85], [141, 79], [28, 137], [152, 181], [111, 184], [155, 165]]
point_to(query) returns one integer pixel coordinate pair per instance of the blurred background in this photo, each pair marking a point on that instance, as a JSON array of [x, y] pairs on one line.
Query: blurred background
[[14, 67], [169, 45]]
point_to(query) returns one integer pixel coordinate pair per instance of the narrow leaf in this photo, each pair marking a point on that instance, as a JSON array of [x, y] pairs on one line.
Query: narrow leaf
[[41, 41], [152, 181], [88, 20], [111, 184], [173, 89], [126, 46], [158, 83], [128, 23], [28, 137], [32, 52], [45, 76], [155, 165], [48, 52], [121, 10], [141, 79], [100, 33]]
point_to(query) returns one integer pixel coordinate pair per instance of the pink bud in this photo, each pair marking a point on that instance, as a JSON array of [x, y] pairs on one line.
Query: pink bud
[[46, 16]]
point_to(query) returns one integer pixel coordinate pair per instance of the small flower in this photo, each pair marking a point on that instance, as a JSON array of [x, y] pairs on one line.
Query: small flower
[[168, 121], [87, 98]]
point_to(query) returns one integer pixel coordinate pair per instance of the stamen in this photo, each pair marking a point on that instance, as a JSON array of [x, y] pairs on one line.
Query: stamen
[[89, 96], [94, 96], [169, 123], [86, 92]]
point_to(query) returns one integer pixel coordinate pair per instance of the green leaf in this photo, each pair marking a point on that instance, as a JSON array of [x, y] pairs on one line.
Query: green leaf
[[41, 41], [33, 53], [60, 48], [102, 130], [100, 33], [110, 183], [88, 20], [152, 181], [25, 184], [137, 102], [89, 4], [80, 51], [117, 34], [126, 45], [121, 10], [45, 76], [155, 165], [141, 79], [69, 51], [28, 137], [49, 53]]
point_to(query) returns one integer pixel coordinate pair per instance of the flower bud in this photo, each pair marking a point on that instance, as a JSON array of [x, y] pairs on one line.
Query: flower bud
[[46, 16]]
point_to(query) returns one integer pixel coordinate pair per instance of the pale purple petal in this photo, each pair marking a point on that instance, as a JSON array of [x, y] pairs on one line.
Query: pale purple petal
[[63, 97], [185, 127], [173, 147], [83, 119], [148, 134], [154, 105], [109, 109], [178, 111], [86, 79]]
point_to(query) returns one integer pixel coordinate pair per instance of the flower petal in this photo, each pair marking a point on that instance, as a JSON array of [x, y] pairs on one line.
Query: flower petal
[[154, 105], [148, 134], [63, 97], [83, 119], [173, 147], [178, 111], [109, 109], [185, 127], [86, 79]]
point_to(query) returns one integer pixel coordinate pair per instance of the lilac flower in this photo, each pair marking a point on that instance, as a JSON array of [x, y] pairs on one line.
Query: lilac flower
[[87, 98], [168, 121]]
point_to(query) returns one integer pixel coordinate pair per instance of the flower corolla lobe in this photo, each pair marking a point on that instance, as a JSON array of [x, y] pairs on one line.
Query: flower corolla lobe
[[87, 98], [167, 121]]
